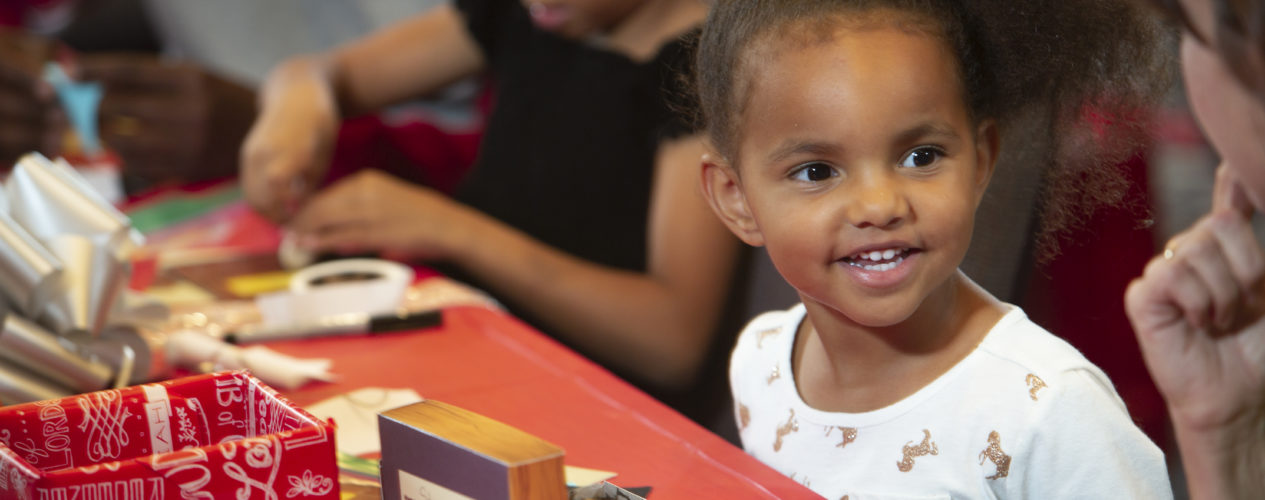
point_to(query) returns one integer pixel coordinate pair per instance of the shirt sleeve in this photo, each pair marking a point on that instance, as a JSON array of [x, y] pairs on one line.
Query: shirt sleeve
[[1084, 445]]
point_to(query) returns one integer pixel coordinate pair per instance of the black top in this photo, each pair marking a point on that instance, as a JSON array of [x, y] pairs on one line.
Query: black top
[[568, 156], [568, 152]]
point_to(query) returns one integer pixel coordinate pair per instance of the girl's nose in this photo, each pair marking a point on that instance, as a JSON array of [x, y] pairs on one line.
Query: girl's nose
[[877, 200]]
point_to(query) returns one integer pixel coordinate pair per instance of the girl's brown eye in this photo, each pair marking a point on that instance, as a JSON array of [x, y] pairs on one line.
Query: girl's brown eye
[[814, 172], [921, 157], [818, 173]]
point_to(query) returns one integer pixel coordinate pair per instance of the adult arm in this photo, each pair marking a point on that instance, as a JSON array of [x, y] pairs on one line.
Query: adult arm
[[1198, 313], [304, 99], [657, 324]]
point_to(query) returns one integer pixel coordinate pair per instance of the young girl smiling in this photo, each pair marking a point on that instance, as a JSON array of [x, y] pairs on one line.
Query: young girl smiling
[[855, 140]]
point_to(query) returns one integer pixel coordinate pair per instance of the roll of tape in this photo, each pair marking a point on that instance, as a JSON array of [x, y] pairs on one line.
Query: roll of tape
[[369, 286]]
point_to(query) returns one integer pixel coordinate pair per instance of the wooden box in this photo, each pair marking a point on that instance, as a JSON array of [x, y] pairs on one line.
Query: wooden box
[[438, 451]]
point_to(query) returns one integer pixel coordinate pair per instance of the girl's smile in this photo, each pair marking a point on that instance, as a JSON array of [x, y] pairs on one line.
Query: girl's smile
[[882, 268]]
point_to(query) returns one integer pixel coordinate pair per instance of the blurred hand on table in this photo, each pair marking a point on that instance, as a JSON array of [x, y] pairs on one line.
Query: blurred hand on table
[[167, 121], [288, 150], [374, 211]]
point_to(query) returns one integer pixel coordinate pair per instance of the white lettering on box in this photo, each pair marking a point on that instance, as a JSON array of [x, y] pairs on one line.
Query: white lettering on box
[[158, 414], [123, 489]]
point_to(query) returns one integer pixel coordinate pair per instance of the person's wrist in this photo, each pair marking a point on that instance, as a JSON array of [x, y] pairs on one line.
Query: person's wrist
[[1225, 461], [469, 233]]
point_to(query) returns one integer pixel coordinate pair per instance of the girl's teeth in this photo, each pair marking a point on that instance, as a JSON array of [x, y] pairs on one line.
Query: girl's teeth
[[877, 255], [886, 266]]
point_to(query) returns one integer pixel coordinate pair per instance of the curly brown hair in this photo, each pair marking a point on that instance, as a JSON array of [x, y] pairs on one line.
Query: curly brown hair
[[1069, 82]]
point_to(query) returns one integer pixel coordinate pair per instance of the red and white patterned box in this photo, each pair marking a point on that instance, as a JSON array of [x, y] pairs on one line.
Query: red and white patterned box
[[224, 435]]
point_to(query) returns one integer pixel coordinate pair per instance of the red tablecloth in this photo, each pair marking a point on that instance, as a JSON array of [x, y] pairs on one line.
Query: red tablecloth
[[491, 363]]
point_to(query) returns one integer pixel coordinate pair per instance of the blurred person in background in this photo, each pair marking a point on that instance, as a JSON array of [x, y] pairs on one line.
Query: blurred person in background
[[582, 213], [179, 79], [1197, 308]]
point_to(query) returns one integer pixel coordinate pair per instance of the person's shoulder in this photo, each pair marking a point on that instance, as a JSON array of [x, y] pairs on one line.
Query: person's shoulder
[[1017, 340], [782, 319], [1051, 367], [1067, 408], [769, 330]]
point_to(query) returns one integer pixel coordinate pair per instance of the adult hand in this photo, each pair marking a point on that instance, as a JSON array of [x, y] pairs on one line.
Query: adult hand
[[169, 120], [287, 151], [1199, 316], [373, 211], [29, 117]]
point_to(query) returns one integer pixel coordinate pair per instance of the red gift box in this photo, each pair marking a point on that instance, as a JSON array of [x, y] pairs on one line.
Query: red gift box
[[224, 435]]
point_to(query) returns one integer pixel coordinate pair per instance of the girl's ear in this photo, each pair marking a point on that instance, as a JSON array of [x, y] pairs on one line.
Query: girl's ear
[[987, 147], [723, 190]]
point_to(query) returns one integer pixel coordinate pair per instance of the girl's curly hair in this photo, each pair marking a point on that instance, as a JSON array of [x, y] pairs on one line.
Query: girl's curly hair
[[1069, 82]]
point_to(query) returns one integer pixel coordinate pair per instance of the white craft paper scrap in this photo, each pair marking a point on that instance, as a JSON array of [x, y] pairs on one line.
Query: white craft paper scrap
[[356, 416], [579, 476]]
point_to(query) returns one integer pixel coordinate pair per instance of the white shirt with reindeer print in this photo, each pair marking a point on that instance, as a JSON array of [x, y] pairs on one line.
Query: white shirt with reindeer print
[[1025, 415]]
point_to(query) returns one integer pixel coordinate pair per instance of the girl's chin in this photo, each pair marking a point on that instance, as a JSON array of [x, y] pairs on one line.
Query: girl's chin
[[869, 314]]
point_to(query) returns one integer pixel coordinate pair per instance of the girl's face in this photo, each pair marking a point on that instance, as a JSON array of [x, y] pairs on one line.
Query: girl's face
[[1233, 117], [861, 169], [577, 19]]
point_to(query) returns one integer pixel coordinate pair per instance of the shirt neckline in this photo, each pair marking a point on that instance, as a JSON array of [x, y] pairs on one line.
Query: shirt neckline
[[894, 410]]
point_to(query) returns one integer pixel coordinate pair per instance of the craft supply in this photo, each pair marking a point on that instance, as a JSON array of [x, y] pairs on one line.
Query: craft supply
[[201, 352], [89, 239], [216, 436], [26, 344], [20, 386], [290, 255], [433, 448], [341, 324], [30, 275], [356, 415], [79, 100], [363, 286]]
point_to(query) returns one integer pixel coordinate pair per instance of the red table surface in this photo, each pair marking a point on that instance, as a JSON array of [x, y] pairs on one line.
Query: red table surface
[[493, 364]]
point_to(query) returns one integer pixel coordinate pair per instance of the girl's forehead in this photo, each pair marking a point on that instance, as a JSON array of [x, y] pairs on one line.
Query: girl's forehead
[[801, 34], [847, 44], [864, 88]]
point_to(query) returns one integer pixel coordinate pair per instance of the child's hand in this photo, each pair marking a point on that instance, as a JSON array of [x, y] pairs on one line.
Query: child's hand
[[373, 211], [288, 149], [1198, 313]]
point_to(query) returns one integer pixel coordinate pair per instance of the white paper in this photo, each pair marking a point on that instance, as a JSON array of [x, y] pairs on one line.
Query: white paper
[[579, 476], [356, 416]]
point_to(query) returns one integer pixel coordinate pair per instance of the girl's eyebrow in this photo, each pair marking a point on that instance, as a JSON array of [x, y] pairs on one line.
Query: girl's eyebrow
[[927, 129], [809, 147], [795, 147]]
